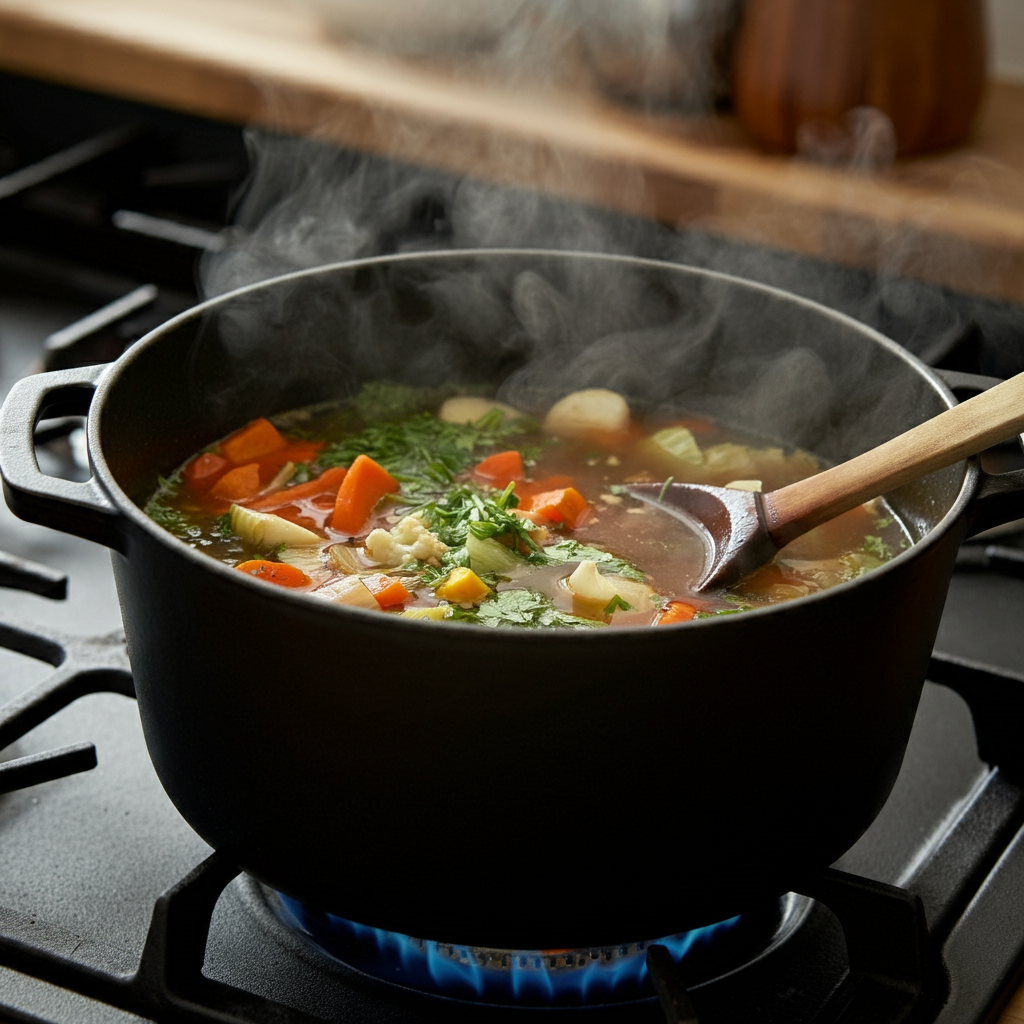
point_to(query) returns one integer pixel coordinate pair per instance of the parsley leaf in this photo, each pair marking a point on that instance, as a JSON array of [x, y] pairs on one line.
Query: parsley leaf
[[876, 546], [573, 550], [522, 608], [169, 518]]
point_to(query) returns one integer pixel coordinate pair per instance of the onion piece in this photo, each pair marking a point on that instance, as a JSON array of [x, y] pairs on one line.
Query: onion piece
[[263, 530], [306, 558], [351, 591], [592, 592], [283, 475], [345, 559]]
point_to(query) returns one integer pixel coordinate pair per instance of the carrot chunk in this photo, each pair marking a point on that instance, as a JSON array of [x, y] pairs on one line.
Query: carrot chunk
[[500, 468], [260, 437], [238, 484], [677, 611], [296, 451], [365, 483], [389, 591], [563, 506], [282, 574], [528, 488], [204, 471], [327, 482]]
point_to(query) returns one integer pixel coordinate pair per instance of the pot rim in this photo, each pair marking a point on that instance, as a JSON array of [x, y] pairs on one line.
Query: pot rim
[[128, 508]]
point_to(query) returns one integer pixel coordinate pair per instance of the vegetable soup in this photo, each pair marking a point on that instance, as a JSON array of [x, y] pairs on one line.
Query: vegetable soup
[[404, 502]]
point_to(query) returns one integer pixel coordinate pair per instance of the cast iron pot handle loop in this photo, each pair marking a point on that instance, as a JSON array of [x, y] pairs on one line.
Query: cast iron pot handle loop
[[1000, 496], [79, 508]]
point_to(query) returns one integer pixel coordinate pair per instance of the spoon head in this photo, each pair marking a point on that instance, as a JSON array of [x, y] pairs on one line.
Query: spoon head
[[731, 523]]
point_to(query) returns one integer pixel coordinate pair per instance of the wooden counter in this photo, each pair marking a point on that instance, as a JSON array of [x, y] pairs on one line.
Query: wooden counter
[[956, 219]]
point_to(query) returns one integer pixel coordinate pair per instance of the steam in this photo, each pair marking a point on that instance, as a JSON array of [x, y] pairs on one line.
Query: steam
[[307, 203]]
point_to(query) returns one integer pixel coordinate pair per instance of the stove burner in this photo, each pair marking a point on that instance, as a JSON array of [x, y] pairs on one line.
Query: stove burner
[[552, 977]]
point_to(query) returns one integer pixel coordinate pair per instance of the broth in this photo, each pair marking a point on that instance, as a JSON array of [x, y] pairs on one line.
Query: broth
[[473, 513]]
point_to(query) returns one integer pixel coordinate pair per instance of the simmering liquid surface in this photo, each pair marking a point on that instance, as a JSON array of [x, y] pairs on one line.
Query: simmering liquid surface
[[463, 531]]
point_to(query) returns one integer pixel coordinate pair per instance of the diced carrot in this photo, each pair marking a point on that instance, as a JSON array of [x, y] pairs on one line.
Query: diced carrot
[[281, 573], [389, 591], [204, 471], [296, 451], [500, 468], [564, 506], [537, 518], [327, 482], [365, 483], [528, 488], [463, 586], [238, 484], [260, 437], [677, 611]]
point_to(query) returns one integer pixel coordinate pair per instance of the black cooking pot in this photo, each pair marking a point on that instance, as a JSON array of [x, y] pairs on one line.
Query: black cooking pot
[[522, 789]]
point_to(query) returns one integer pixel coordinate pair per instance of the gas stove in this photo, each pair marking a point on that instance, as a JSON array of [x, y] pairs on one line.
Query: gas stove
[[113, 910]]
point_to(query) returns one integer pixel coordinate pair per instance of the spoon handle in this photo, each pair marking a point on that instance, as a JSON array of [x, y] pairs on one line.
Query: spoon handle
[[964, 430]]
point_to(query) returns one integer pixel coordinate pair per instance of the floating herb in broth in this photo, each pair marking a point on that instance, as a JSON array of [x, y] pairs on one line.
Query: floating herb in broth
[[403, 502]]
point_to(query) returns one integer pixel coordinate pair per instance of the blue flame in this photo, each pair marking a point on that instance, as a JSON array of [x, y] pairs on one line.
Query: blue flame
[[579, 977]]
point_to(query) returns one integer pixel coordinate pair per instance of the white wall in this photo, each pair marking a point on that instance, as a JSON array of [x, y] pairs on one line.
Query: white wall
[[1006, 39]]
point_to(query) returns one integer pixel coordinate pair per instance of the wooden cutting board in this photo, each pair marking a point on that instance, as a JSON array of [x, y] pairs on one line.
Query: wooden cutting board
[[956, 219]]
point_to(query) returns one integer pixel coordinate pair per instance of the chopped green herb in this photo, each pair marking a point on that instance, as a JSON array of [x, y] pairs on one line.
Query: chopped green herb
[[522, 608], [169, 518], [223, 526], [883, 522], [573, 550], [664, 487], [616, 604], [424, 453], [722, 611], [876, 546]]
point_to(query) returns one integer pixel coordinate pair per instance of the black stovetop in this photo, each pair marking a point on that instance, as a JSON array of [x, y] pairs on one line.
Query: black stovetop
[[113, 910]]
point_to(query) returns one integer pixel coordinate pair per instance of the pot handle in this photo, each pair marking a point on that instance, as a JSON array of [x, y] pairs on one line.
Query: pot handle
[[81, 508], [1000, 496]]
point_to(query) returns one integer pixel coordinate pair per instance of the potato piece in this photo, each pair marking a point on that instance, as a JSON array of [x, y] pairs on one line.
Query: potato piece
[[436, 614], [467, 409], [265, 531], [463, 586], [592, 411]]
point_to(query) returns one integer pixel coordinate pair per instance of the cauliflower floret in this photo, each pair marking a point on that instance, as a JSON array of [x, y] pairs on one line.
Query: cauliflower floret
[[408, 540]]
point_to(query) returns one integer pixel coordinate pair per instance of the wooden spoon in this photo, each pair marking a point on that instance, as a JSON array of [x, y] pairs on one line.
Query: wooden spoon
[[744, 530]]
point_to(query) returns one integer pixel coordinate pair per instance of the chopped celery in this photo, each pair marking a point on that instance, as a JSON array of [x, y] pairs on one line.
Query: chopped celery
[[490, 555]]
